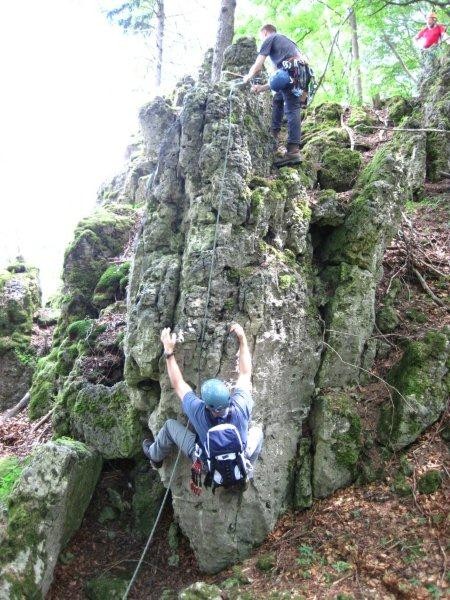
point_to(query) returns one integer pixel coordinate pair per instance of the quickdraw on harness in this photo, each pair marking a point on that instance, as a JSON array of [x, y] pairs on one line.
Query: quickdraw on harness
[[302, 79], [196, 475]]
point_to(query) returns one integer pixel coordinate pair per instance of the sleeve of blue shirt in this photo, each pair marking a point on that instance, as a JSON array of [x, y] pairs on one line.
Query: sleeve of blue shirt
[[266, 46], [192, 406], [243, 400]]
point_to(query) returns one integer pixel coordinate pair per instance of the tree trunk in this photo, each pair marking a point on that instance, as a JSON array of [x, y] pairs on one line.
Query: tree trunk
[[355, 47], [225, 32], [160, 17]]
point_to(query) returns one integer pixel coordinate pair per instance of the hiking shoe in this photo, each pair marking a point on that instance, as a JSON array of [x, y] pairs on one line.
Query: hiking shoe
[[281, 150], [146, 449], [290, 158]]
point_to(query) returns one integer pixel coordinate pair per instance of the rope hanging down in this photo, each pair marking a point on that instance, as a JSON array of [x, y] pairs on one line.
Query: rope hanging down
[[202, 338]]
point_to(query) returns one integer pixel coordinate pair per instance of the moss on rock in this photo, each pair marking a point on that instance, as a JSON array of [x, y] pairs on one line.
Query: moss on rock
[[111, 285], [106, 419], [44, 509], [421, 385], [337, 438], [340, 167]]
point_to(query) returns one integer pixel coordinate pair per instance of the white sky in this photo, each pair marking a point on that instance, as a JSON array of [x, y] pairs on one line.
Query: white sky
[[71, 87]]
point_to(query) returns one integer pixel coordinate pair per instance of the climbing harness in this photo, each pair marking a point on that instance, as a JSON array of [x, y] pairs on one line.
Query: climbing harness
[[196, 467]]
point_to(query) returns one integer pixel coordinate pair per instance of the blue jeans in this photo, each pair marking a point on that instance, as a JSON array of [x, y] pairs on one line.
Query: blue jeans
[[285, 102]]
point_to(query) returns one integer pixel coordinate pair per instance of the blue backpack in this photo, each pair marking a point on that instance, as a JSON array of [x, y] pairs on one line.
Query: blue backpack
[[223, 455], [225, 458]]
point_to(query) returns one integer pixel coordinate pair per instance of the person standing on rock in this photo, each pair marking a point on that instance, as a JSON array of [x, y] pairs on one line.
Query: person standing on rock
[[286, 100], [431, 35], [216, 406]]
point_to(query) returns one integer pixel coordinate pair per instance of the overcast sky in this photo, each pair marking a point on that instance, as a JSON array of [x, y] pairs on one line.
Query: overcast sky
[[71, 87]]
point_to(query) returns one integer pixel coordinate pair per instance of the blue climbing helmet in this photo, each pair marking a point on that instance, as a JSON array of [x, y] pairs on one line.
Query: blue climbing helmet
[[280, 80], [215, 394]]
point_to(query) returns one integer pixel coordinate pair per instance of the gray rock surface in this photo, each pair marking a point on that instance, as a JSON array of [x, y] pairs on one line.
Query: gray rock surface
[[43, 510]]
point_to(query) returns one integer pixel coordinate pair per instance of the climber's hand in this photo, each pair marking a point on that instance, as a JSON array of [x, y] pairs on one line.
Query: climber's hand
[[246, 78], [257, 88], [168, 339], [238, 331]]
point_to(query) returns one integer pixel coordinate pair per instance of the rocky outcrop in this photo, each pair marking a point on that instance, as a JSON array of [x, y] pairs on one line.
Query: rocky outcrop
[[20, 298], [269, 246], [41, 512], [261, 221], [298, 270]]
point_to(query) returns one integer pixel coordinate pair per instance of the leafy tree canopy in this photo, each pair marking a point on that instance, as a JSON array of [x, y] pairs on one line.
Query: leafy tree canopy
[[386, 30]]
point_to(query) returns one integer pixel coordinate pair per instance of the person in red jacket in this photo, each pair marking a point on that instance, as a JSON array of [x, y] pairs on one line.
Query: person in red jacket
[[432, 34]]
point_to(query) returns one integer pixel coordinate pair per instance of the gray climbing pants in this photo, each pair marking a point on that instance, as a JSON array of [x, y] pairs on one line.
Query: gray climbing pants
[[174, 434]]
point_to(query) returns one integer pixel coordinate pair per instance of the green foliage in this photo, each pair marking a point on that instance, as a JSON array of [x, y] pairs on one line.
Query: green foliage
[[430, 482], [313, 25], [266, 562]]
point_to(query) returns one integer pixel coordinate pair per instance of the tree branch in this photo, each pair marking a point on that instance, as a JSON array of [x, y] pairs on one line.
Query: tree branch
[[399, 58]]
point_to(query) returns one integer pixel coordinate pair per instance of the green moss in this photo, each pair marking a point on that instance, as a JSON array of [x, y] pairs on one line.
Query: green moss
[[10, 471], [44, 385], [106, 588], [111, 285], [80, 329], [430, 482], [416, 315], [286, 281], [230, 304], [266, 562], [361, 116], [398, 108], [340, 167], [400, 485], [387, 319]]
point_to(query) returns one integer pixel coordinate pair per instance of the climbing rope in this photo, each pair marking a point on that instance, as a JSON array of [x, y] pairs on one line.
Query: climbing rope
[[202, 335]]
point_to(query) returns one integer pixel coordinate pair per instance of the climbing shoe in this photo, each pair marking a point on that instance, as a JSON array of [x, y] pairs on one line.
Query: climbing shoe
[[146, 449]]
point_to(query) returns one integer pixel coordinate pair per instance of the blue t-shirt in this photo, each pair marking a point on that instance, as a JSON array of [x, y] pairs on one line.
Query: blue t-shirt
[[202, 420], [279, 48]]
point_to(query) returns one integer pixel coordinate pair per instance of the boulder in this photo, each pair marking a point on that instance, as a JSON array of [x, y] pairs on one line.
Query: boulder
[[43, 509], [421, 386]]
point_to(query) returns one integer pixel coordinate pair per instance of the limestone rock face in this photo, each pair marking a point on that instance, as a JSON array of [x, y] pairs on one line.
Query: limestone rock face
[[421, 382], [43, 510], [20, 298], [337, 442], [264, 223]]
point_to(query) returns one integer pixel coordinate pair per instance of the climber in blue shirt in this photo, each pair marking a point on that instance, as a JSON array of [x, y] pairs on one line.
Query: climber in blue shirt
[[213, 408]]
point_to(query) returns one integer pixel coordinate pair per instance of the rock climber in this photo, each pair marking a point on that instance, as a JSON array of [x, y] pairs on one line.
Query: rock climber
[[216, 405], [431, 35], [286, 99]]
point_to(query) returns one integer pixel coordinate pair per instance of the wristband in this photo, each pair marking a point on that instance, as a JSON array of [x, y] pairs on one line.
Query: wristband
[[168, 354]]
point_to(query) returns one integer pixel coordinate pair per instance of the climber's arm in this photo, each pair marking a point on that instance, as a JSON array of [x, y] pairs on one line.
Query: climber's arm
[[255, 68], [244, 380], [173, 370]]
